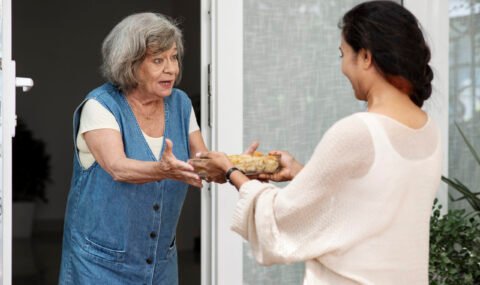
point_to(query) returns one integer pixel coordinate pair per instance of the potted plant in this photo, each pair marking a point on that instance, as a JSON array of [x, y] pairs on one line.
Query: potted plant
[[30, 175], [455, 237], [454, 247]]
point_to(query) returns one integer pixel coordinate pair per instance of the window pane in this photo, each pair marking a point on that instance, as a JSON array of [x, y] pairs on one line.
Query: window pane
[[464, 93]]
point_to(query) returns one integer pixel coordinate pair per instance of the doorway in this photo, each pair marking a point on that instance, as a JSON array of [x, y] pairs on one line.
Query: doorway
[[57, 43]]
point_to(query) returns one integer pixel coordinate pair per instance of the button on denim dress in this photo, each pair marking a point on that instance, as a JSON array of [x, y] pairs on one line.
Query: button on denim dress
[[124, 233]]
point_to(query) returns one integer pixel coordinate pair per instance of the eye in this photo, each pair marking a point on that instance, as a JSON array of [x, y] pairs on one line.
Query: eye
[[157, 60], [175, 57], [341, 52]]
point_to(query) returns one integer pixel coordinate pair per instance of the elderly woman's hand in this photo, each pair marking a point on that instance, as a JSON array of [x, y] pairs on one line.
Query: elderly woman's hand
[[289, 168], [175, 169], [215, 164]]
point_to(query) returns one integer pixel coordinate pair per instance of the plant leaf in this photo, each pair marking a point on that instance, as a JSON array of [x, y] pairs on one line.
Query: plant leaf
[[471, 197], [469, 145]]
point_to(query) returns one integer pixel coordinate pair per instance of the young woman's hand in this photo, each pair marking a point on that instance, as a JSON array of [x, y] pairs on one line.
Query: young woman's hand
[[289, 168], [175, 169], [252, 148]]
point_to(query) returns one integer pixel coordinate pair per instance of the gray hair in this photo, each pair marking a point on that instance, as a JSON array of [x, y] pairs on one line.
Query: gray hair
[[126, 46]]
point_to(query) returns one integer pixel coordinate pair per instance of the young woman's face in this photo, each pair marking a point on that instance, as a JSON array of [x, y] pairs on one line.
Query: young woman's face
[[351, 68], [157, 73]]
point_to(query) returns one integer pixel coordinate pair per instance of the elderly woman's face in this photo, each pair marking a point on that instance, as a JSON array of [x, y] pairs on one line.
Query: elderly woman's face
[[157, 73]]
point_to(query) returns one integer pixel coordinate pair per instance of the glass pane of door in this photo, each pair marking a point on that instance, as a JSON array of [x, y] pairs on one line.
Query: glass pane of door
[[464, 94], [293, 89]]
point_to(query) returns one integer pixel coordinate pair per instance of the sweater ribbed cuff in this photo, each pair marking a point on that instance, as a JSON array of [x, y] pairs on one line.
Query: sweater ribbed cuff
[[246, 206]]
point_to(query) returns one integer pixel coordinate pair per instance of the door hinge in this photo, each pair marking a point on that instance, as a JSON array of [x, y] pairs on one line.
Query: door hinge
[[209, 95]]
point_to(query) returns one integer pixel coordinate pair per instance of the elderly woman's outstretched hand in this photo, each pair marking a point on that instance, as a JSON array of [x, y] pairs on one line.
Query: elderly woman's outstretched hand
[[289, 168], [215, 164], [175, 169]]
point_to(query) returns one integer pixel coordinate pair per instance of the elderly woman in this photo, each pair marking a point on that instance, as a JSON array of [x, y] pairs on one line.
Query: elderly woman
[[358, 212], [132, 137]]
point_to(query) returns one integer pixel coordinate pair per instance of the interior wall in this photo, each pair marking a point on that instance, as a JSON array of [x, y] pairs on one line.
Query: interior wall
[[57, 43]]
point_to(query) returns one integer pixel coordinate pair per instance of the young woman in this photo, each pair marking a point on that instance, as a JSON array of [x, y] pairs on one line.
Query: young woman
[[358, 212]]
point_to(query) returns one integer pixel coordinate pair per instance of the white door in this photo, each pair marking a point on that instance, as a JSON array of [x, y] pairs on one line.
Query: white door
[[276, 78], [7, 131], [8, 81]]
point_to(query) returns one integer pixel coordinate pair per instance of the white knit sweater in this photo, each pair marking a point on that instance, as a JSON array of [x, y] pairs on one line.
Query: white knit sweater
[[358, 213]]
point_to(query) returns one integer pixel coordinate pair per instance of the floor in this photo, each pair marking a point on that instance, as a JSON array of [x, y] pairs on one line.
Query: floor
[[36, 261]]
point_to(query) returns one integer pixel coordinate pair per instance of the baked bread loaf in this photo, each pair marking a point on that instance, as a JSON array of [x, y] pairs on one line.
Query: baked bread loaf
[[256, 163], [250, 164]]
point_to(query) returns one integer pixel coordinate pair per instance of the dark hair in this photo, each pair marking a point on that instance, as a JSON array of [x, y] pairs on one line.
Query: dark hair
[[393, 36]]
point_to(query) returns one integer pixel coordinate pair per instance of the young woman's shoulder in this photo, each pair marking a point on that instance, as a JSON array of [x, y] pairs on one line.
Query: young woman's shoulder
[[349, 145], [349, 129]]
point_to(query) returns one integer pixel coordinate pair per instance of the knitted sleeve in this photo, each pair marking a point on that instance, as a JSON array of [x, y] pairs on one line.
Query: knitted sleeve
[[307, 218]]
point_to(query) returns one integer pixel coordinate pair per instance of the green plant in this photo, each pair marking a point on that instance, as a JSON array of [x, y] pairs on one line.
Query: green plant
[[454, 247], [467, 194], [30, 166], [455, 236]]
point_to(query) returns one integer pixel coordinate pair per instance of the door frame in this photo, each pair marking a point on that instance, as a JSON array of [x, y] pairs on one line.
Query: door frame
[[222, 97], [8, 120], [206, 50], [227, 133]]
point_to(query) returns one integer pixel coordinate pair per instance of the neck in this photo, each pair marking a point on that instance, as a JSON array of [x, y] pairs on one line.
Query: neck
[[145, 107], [137, 97], [383, 95]]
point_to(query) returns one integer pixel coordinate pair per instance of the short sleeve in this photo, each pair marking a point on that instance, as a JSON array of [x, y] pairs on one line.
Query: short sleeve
[[95, 116], [193, 123]]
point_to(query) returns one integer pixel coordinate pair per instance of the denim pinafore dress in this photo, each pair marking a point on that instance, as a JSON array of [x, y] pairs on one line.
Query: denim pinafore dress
[[123, 233]]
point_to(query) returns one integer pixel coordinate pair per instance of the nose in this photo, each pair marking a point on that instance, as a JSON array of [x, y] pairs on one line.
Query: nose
[[170, 67]]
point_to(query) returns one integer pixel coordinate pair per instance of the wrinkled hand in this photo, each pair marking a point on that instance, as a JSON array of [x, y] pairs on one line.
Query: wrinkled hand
[[175, 169], [289, 167], [214, 163]]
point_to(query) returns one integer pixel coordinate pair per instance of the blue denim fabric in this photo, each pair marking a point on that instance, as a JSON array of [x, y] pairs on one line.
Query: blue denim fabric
[[123, 233]]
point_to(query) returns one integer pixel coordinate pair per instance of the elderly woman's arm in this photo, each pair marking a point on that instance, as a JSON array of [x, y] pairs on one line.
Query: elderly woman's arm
[[106, 145], [197, 143]]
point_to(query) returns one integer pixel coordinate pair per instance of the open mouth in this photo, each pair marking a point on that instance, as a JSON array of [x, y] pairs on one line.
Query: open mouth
[[166, 83]]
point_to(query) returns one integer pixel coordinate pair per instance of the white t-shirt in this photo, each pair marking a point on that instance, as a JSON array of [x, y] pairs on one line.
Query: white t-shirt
[[95, 116]]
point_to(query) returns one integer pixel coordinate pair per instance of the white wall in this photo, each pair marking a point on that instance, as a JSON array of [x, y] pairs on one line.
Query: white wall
[[57, 43]]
